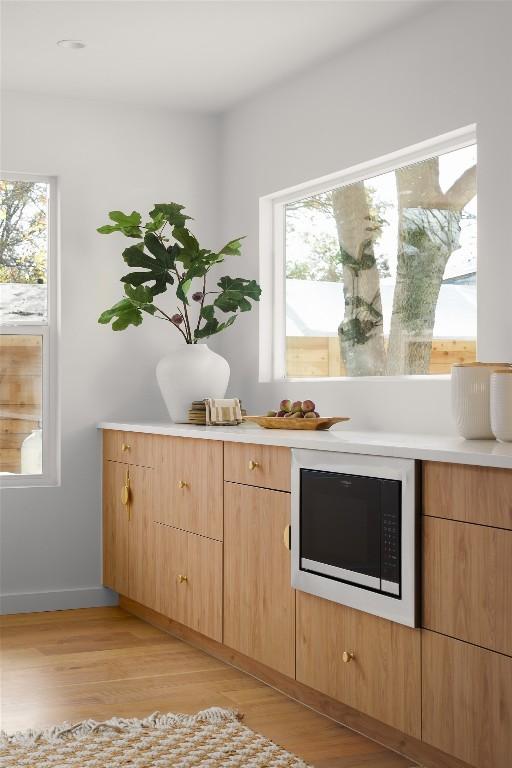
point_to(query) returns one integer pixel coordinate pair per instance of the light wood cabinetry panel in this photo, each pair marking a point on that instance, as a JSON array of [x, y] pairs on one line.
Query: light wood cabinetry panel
[[189, 579], [265, 466], [189, 494], [129, 447], [383, 679], [467, 582], [115, 528], [467, 701], [128, 544], [141, 580], [470, 494], [259, 603]]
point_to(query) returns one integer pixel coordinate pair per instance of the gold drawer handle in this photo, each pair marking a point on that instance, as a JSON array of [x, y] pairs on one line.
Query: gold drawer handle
[[182, 484], [287, 537], [182, 579], [253, 464], [347, 657], [125, 494], [125, 447]]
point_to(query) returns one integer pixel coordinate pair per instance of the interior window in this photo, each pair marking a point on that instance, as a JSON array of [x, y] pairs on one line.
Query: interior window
[[381, 273], [24, 318]]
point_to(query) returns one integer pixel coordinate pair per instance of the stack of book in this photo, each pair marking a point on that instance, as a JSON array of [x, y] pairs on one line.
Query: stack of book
[[197, 412]]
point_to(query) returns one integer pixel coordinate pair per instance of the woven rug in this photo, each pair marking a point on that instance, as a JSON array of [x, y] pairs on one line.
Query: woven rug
[[214, 738]]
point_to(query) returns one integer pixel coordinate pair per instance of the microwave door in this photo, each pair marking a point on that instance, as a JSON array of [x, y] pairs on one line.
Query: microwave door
[[340, 527]]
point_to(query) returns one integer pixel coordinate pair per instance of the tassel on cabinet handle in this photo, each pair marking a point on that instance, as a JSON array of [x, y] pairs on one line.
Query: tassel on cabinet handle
[[125, 494], [287, 537]]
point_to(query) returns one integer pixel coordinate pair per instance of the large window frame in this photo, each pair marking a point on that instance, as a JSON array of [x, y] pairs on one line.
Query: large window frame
[[49, 330], [272, 327]]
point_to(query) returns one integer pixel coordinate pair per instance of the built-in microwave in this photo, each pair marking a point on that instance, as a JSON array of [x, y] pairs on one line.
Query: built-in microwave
[[354, 531]]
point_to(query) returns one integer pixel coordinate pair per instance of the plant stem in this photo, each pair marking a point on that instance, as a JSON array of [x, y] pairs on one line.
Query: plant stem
[[202, 301], [166, 317]]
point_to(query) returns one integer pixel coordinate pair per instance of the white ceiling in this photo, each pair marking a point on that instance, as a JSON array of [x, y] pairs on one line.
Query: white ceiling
[[183, 54]]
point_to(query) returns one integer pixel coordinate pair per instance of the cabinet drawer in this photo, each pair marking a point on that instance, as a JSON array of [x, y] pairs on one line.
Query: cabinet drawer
[[190, 486], [265, 466], [467, 701], [189, 580], [470, 494], [129, 447], [383, 679], [467, 582]]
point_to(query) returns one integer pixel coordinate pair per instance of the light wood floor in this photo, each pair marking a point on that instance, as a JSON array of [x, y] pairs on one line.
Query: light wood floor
[[100, 662]]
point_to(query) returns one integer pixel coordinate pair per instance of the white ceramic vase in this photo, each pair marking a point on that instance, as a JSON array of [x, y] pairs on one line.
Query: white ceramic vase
[[501, 405], [471, 399], [191, 372]]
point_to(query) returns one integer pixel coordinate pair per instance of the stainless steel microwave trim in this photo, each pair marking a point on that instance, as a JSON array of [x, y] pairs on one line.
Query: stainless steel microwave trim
[[402, 609], [340, 573]]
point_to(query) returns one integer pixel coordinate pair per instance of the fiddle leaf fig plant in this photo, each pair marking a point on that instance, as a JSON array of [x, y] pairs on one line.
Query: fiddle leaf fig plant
[[168, 254]]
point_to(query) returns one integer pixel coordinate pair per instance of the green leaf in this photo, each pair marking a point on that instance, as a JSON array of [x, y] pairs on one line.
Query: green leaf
[[125, 220], [125, 313], [235, 293], [157, 269], [212, 325], [170, 212], [233, 248], [159, 251], [182, 290], [107, 229], [186, 238]]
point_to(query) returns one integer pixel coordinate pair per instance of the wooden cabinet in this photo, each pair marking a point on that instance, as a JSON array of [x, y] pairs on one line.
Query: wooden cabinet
[[369, 663], [189, 491], [467, 701], [189, 579], [128, 543], [471, 494], [265, 466], [259, 603], [130, 447], [467, 582]]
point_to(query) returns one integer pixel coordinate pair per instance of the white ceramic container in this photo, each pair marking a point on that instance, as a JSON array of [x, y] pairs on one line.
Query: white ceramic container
[[471, 399], [32, 453], [501, 404], [191, 372]]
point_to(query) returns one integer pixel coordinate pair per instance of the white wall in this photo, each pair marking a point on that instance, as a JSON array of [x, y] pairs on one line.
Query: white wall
[[106, 158], [442, 71]]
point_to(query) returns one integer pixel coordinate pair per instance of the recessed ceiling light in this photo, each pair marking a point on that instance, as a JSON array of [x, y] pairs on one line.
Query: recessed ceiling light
[[74, 44]]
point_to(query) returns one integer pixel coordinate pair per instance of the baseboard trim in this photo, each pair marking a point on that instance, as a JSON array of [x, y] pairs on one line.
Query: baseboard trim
[[56, 600], [408, 746]]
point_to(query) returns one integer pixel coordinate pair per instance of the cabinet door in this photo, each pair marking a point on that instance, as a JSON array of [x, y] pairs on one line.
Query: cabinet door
[[190, 485], [115, 526], [369, 663], [141, 546], [189, 579], [467, 701], [259, 603], [467, 582]]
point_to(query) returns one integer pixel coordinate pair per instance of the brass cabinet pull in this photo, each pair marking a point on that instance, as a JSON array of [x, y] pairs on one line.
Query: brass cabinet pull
[[347, 656], [126, 494], [287, 536], [125, 447], [182, 579], [253, 464], [182, 484]]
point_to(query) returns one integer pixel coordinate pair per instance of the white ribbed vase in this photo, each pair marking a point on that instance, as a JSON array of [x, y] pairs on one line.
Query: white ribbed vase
[[501, 404], [471, 399], [191, 372]]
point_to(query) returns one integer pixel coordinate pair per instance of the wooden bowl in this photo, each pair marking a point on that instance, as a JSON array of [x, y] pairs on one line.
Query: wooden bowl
[[282, 422]]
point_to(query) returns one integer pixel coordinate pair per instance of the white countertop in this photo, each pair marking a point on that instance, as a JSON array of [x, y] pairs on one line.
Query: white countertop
[[485, 453]]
